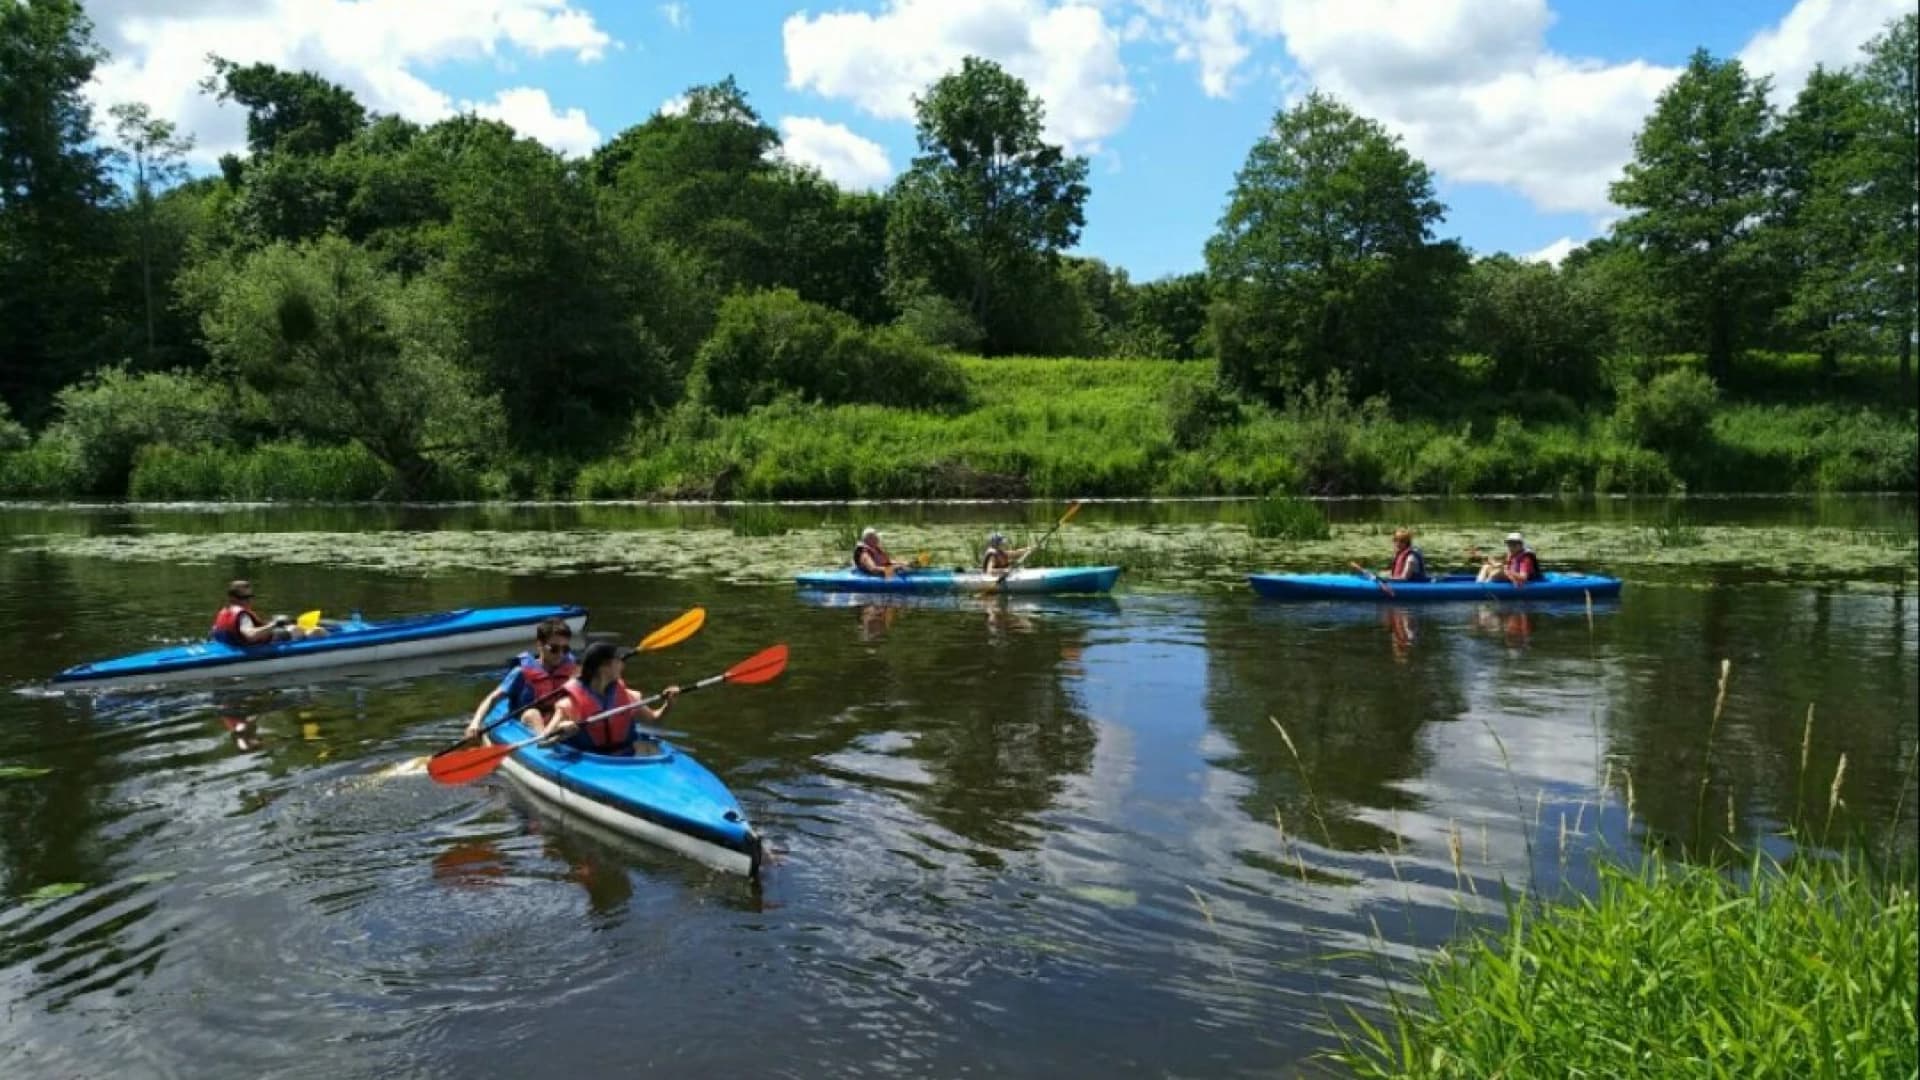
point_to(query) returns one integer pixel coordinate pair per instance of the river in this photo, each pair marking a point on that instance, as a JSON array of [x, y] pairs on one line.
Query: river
[[1174, 831]]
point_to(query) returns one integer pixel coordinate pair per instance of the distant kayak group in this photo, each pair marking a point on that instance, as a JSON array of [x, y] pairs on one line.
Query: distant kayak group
[[569, 728]]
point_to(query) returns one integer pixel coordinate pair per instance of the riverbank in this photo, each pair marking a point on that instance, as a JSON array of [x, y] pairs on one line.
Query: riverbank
[[1079, 427]]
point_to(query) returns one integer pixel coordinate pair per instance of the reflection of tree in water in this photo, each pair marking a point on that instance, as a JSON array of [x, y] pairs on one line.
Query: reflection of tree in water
[[1789, 648], [994, 725], [1353, 697]]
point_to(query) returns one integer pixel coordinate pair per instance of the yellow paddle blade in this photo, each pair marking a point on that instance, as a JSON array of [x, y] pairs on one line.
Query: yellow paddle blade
[[923, 559], [307, 620], [1072, 509], [674, 632]]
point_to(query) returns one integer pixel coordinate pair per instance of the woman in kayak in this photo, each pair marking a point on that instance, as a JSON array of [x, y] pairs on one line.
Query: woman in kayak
[[237, 625], [535, 674], [1521, 565], [595, 690], [872, 559], [998, 559], [1408, 563]]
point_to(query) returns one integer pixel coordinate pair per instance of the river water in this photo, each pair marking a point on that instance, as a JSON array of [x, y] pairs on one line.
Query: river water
[[1035, 837]]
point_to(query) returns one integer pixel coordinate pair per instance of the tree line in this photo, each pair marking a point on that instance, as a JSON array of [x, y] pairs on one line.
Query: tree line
[[442, 293]]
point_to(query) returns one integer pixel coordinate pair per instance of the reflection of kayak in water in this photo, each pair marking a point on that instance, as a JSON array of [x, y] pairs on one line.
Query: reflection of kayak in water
[[1058, 579], [973, 602], [351, 642], [1453, 587], [665, 798], [1416, 616]]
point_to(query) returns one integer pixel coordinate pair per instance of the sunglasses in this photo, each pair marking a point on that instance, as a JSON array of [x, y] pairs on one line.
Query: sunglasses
[[557, 646]]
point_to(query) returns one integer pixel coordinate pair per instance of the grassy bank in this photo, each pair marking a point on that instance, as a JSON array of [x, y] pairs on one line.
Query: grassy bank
[[1803, 969], [1067, 427]]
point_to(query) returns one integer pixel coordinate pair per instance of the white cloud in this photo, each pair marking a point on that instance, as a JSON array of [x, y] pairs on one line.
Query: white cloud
[[841, 156], [1828, 32], [675, 105], [1066, 52], [527, 110], [375, 48], [1471, 85], [676, 15], [1553, 253]]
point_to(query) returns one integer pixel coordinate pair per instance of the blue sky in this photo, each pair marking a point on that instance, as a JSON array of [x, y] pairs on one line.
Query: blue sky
[[1525, 109]]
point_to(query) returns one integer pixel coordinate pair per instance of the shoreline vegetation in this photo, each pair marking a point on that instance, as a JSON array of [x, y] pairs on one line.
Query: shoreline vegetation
[[1076, 427]]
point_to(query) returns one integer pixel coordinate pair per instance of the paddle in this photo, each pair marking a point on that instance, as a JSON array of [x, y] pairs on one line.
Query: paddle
[[1384, 587], [1072, 509], [672, 633], [307, 620], [472, 763]]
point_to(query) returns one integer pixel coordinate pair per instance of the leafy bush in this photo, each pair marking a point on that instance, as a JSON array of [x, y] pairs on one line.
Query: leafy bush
[[283, 471], [1195, 410], [1280, 517], [769, 344], [107, 419], [937, 321], [13, 434], [44, 470], [1671, 412], [1324, 432]]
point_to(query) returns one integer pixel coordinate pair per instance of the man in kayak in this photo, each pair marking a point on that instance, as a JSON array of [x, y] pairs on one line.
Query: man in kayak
[[998, 559], [1520, 567], [1408, 563], [870, 558], [595, 690], [535, 674], [237, 625]]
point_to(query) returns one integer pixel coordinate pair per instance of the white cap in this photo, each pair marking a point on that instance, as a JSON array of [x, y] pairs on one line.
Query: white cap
[[869, 531], [1515, 538]]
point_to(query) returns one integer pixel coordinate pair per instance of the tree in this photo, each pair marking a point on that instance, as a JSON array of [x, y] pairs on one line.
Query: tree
[[54, 238], [1540, 330], [292, 112], [1324, 260], [336, 348], [1890, 176], [1173, 310], [156, 153], [1697, 190], [1819, 230], [983, 210]]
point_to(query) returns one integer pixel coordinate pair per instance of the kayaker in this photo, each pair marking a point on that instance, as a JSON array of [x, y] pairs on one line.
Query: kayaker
[[870, 558], [535, 674], [236, 624], [997, 558], [597, 688], [1520, 566], [1408, 563]]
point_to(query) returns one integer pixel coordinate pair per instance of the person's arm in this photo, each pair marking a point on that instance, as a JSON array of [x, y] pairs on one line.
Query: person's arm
[[562, 722], [252, 631], [473, 725]]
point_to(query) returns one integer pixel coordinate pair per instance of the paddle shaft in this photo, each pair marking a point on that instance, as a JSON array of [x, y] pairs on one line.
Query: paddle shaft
[[1377, 580], [511, 748], [1071, 510]]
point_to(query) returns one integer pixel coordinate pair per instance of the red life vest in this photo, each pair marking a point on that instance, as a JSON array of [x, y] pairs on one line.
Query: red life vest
[[611, 735], [994, 561], [875, 551], [1524, 559], [540, 682], [1404, 556], [226, 624]]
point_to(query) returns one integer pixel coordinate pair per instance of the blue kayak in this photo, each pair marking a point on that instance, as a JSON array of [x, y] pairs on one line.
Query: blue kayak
[[1557, 587], [352, 641], [664, 797], [1062, 579]]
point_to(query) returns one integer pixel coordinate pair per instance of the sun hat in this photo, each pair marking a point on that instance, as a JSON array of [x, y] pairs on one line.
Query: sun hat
[[1515, 538]]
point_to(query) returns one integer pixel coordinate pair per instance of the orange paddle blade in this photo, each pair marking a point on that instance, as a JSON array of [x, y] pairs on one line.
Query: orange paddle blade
[[469, 763], [763, 666], [674, 632], [1072, 509]]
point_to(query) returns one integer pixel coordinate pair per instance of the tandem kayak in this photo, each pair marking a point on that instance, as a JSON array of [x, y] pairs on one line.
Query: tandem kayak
[[1451, 587], [1062, 579], [664, 798], [354, 641]]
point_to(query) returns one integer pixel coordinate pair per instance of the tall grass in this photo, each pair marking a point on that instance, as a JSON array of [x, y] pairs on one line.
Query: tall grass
[[1281, 517]]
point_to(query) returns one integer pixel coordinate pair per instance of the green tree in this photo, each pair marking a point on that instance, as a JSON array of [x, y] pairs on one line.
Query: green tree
[[1821, 232], [155, 153], [983, 210], [536, 278], [331, 346], [1172, 310], [1539, 328], [292, 112], [55, 243], [1889, 152], [1324, 261], [1697, 189]]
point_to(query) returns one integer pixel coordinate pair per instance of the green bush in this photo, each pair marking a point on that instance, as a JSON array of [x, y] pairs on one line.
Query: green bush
[[277, 471], [107, 419], [13, 434], [1672, 412], [1279, 517], [1325, 436], [41, 471], [1195, 410], [769, 344], [937, 321]]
